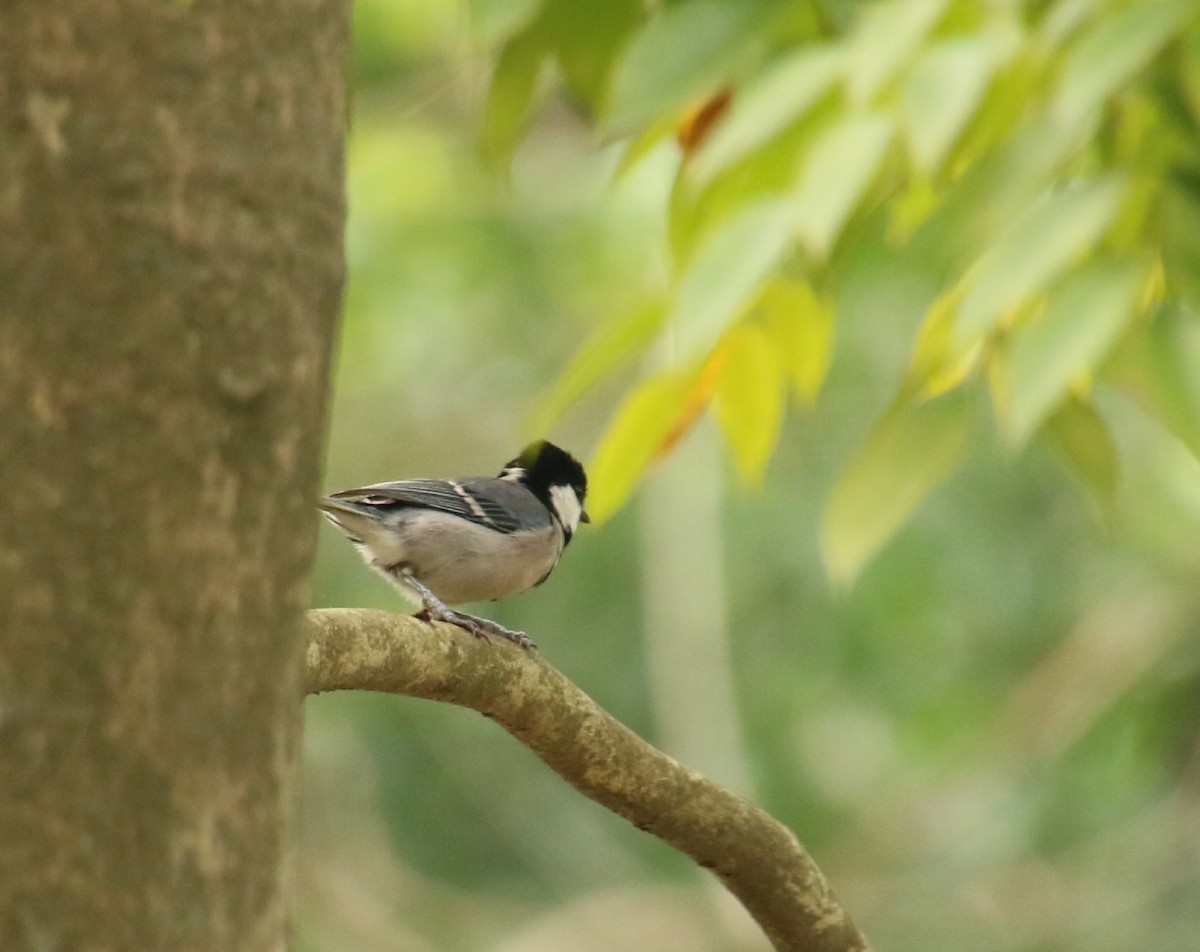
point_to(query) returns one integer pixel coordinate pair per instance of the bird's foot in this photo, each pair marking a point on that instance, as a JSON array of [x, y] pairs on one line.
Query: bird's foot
[[479, 627]]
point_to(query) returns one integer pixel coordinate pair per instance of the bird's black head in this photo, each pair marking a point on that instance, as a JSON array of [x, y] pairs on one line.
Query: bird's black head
[[555, 477]]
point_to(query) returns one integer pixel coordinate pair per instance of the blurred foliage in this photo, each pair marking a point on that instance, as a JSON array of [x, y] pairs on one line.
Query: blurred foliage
[[1039, 158], [859, 233]]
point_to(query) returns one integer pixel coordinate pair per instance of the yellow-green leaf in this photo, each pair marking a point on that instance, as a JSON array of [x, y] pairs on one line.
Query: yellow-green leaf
[[800, 326], [613, 343], [1159, 364], [587, 35], [510, 95], [725, 272], [1081, 440], [642, 425], [1178, 225], [915, 447], [909, 209], [1082, 318], [1064, 18], [642, 145], [697, 210], [749, 399], [493, 21], [683, 54], [941, 95], [885, 36], [840, 166], [1036, 250], [767, 105], [939, 363], [1111, 51]]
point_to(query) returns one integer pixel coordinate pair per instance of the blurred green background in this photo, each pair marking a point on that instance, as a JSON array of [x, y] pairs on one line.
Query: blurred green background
[[989, 743]]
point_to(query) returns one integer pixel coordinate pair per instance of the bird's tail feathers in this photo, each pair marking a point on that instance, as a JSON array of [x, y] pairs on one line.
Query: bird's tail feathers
[[354, 519]]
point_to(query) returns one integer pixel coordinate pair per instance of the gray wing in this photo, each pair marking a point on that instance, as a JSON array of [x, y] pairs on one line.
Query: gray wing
[[499, 504]]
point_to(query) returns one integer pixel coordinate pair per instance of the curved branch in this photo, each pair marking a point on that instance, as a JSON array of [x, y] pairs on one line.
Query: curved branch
[[757, 858]]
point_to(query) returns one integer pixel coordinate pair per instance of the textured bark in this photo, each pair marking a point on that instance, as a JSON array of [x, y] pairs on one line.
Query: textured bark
[[756, 857], [171, 212]]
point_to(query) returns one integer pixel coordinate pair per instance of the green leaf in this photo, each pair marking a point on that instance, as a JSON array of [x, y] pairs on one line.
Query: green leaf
[[682, 55], [1082, 319], [634, 438], [840, 166], [1032, 253], [587, 35], [913, 448], [725, 272], [885, 36], [1159, 363], [1111, 51], [494, 21], [944, 88], [766, 106], [510, 95], [749, 399], [1081, 440], [800, 326], [612, 345]]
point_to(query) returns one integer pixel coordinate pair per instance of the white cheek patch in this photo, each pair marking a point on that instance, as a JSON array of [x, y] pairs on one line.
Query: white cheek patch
[[566, 505]]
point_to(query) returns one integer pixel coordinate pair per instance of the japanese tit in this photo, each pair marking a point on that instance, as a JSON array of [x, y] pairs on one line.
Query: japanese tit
[[442, 542]]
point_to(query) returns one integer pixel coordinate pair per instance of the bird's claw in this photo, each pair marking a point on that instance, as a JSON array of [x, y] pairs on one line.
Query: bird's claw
[[479, 627]]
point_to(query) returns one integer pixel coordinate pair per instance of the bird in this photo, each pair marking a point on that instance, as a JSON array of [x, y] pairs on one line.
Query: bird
[[444, 542]]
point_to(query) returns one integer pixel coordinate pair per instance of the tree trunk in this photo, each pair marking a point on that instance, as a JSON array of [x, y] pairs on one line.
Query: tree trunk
[[171, 213]]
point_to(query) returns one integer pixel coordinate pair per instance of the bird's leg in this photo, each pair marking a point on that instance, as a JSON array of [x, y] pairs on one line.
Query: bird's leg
[[434, 609]]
